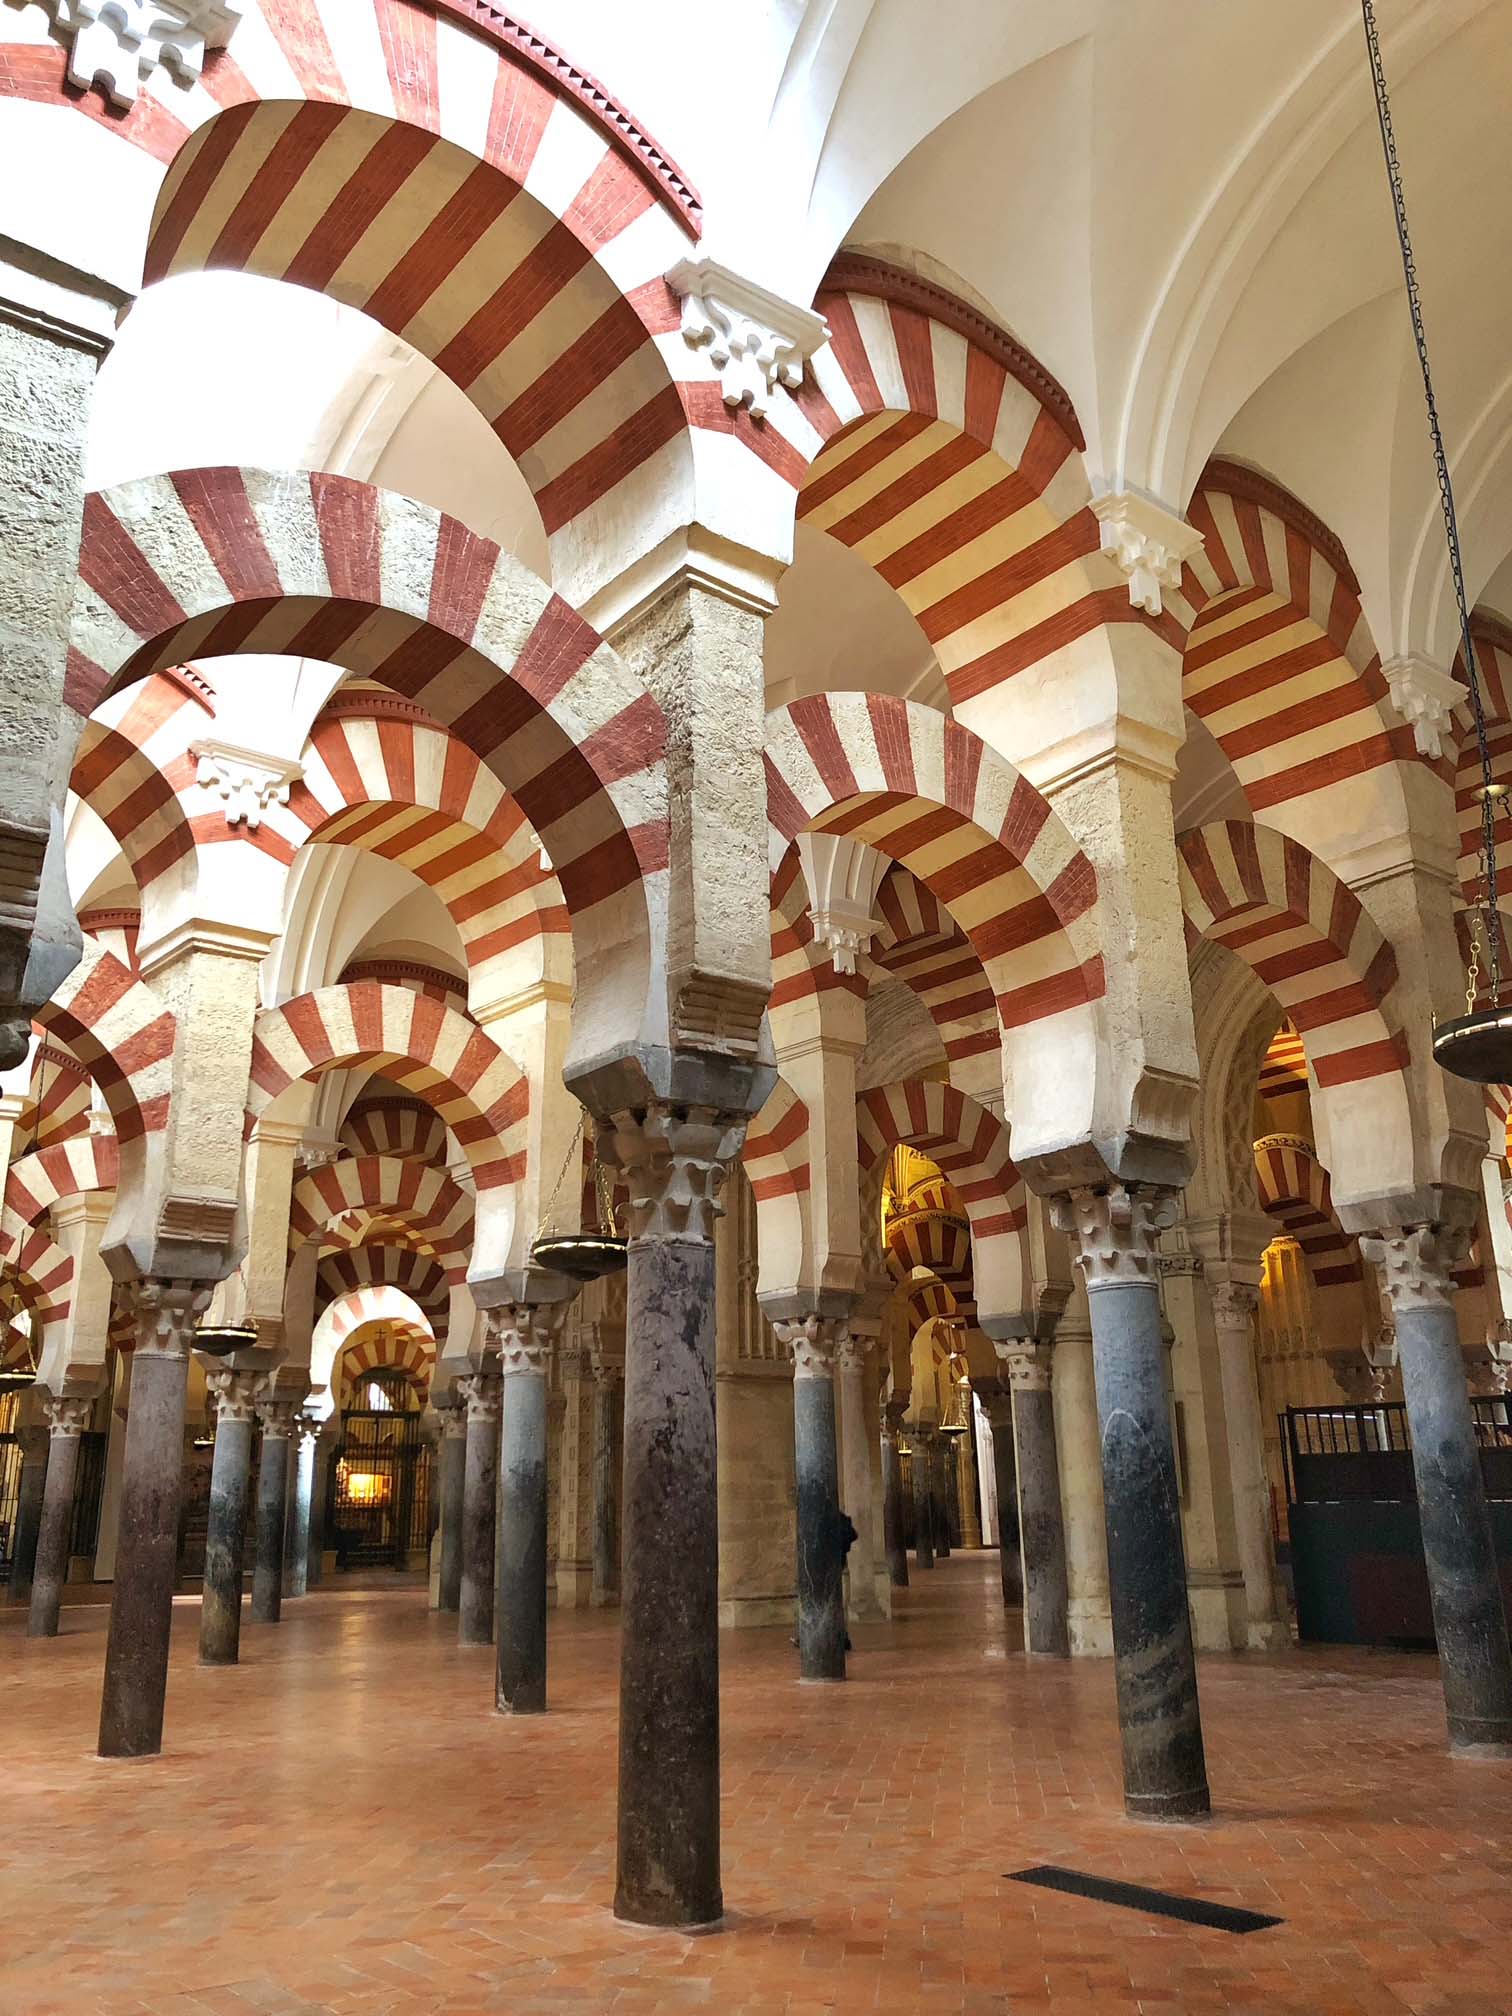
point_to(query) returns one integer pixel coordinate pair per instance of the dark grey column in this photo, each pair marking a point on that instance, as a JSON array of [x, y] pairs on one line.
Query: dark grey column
[[892, 1494], [452, 1465], [821, 1593], [940, 1494], [35, 1451], [1469, 1622], [277, 1418], [320, 1490], [480, 1486], [236, 1395], [675, 1161], [526, 1335], [66, 1422], [999, 1408], [606, 1539], [922, 1442], [1042, 1530], [296, 1576], [152, 1471], [1115, 1229]]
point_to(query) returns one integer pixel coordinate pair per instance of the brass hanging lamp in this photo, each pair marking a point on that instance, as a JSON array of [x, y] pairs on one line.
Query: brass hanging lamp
[[594, 1251], [1478, 1044]]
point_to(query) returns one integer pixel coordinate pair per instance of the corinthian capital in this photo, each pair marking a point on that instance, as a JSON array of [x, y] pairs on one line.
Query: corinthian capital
[[165, 1313], [523, 1334], [1114, 1230], [483, 1393], [675, 1160], [1234, 1304], [1025, 1362], [1417, 1263], [277, 1418], [67, 1416], [813, 1341], [236, 1394]]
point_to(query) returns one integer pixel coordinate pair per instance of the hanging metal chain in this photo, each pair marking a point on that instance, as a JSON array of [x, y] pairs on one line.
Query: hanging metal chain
[[1489, 793], [573, 1148]]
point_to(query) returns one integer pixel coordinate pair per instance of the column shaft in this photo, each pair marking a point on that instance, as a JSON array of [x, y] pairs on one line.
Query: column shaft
[[1165, 1772], [480, 1511], [606, 1554], [35, 1455], [56, 1526], [225, 1541], [272, 1490], [856, 1475], [452, 1492], [940, 1496], [1233, 1317], [320, 1489], [1469, 1621], [297, 1533], [1042, 1533], [152, 1469], [821, 1605], [521, 1688], [1005, 1477], [892, 1509], [923, 1500]]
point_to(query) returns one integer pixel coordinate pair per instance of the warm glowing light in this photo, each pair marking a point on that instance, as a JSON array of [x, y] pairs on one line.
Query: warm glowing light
[[367, 1487]]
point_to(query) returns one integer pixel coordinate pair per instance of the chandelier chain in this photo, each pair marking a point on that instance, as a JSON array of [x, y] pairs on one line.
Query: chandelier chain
[[1446, 496]]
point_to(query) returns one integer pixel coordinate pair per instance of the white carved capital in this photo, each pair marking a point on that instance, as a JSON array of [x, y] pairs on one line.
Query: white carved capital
[[524, 1335], [1114, 1230], [852, 1351], [117, 44], [813, 1341], [843, 878], [1417, 1263], [66, 1416], [1234, 1304], [1425, 698], [754, 339], [483, 1396], [453, 1418], [245, 780], [1149, 544], [165, 1313], [675, 1160], [277, 1418], [235, 1394], [1026, 1363]]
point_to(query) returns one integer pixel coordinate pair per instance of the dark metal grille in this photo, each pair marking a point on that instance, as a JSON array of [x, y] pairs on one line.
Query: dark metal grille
[[377, 1514], [1337, 1453], [10, 1497], [89, 1492]]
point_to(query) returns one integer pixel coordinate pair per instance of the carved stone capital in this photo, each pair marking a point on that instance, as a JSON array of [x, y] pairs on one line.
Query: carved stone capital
[[1149, 545], [852, 1352], [66, 1416], [235, 1394], [754, 339], [674, 1160], [246, 781], [118, 44], [277, 1418], [1234, 1304], [483, 1396], [893, 1411], [1426, 698], [813, 1341], [165, 1314], [453, 1419], [308, 1427], [1417, 1263], [1025, 1362], [524, 1334], [1114, 1230], [1361, 1383]]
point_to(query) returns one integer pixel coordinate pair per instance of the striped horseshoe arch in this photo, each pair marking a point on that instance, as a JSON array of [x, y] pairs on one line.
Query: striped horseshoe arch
[[404, 1128], [464, 185], [1279, 660], [775, 1158], [44, 1271], [72, 1168], [944, 454], [1293, 1189], [970, 1146], [57, 1100], [122, 1035], [218, 561], [413, 1273], [359, 1308], [406, 1348], [1493, 661], [426, 1200], [476, 1090]]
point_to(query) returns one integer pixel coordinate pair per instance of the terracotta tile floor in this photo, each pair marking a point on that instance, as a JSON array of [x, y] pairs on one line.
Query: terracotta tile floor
[[343, 1824]]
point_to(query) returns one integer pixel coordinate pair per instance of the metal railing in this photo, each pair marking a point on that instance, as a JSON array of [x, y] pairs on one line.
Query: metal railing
[[1365, 1451]]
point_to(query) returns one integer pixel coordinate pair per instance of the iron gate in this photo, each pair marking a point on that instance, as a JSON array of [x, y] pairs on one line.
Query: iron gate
[[377, 1513], [10, 1498]]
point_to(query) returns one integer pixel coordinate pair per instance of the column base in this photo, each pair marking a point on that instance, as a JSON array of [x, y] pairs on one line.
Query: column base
[[1272, 1636], [655, 1921], [1196, 1803], [1090, 1628], [1481, 1742]]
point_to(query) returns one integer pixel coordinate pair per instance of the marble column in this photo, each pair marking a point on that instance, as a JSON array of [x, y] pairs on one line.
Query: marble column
[[892, 1493], [277, 1418], [452, 1465], [301, 1498], [66, 1422], [967, 1504], [1114, 1230], [921, 1444], [236, 1395], [940, 1494], [320, 1492], [164, 1313], [1234, 1306], [999, 1408], [857, 1424], [527, 1335], [482, 1397], [675, 1160], [1041, 1527], [606, 1538], [1078, 1453], [1417, 1263], [821, 1597], [36, 1450]]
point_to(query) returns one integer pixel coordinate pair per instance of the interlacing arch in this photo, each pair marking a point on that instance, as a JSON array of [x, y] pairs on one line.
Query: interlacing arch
[[122, 1035], [411, 1271], [425, 1200], [942, 452], [479, 1093], [57, 1103], [43, 1270], [922, 944], [358, 1309], [35, 1182], [1293, 1188], [970, 1146], [1280, 664], [383, 1125], [221, 561], [406, 1348]]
